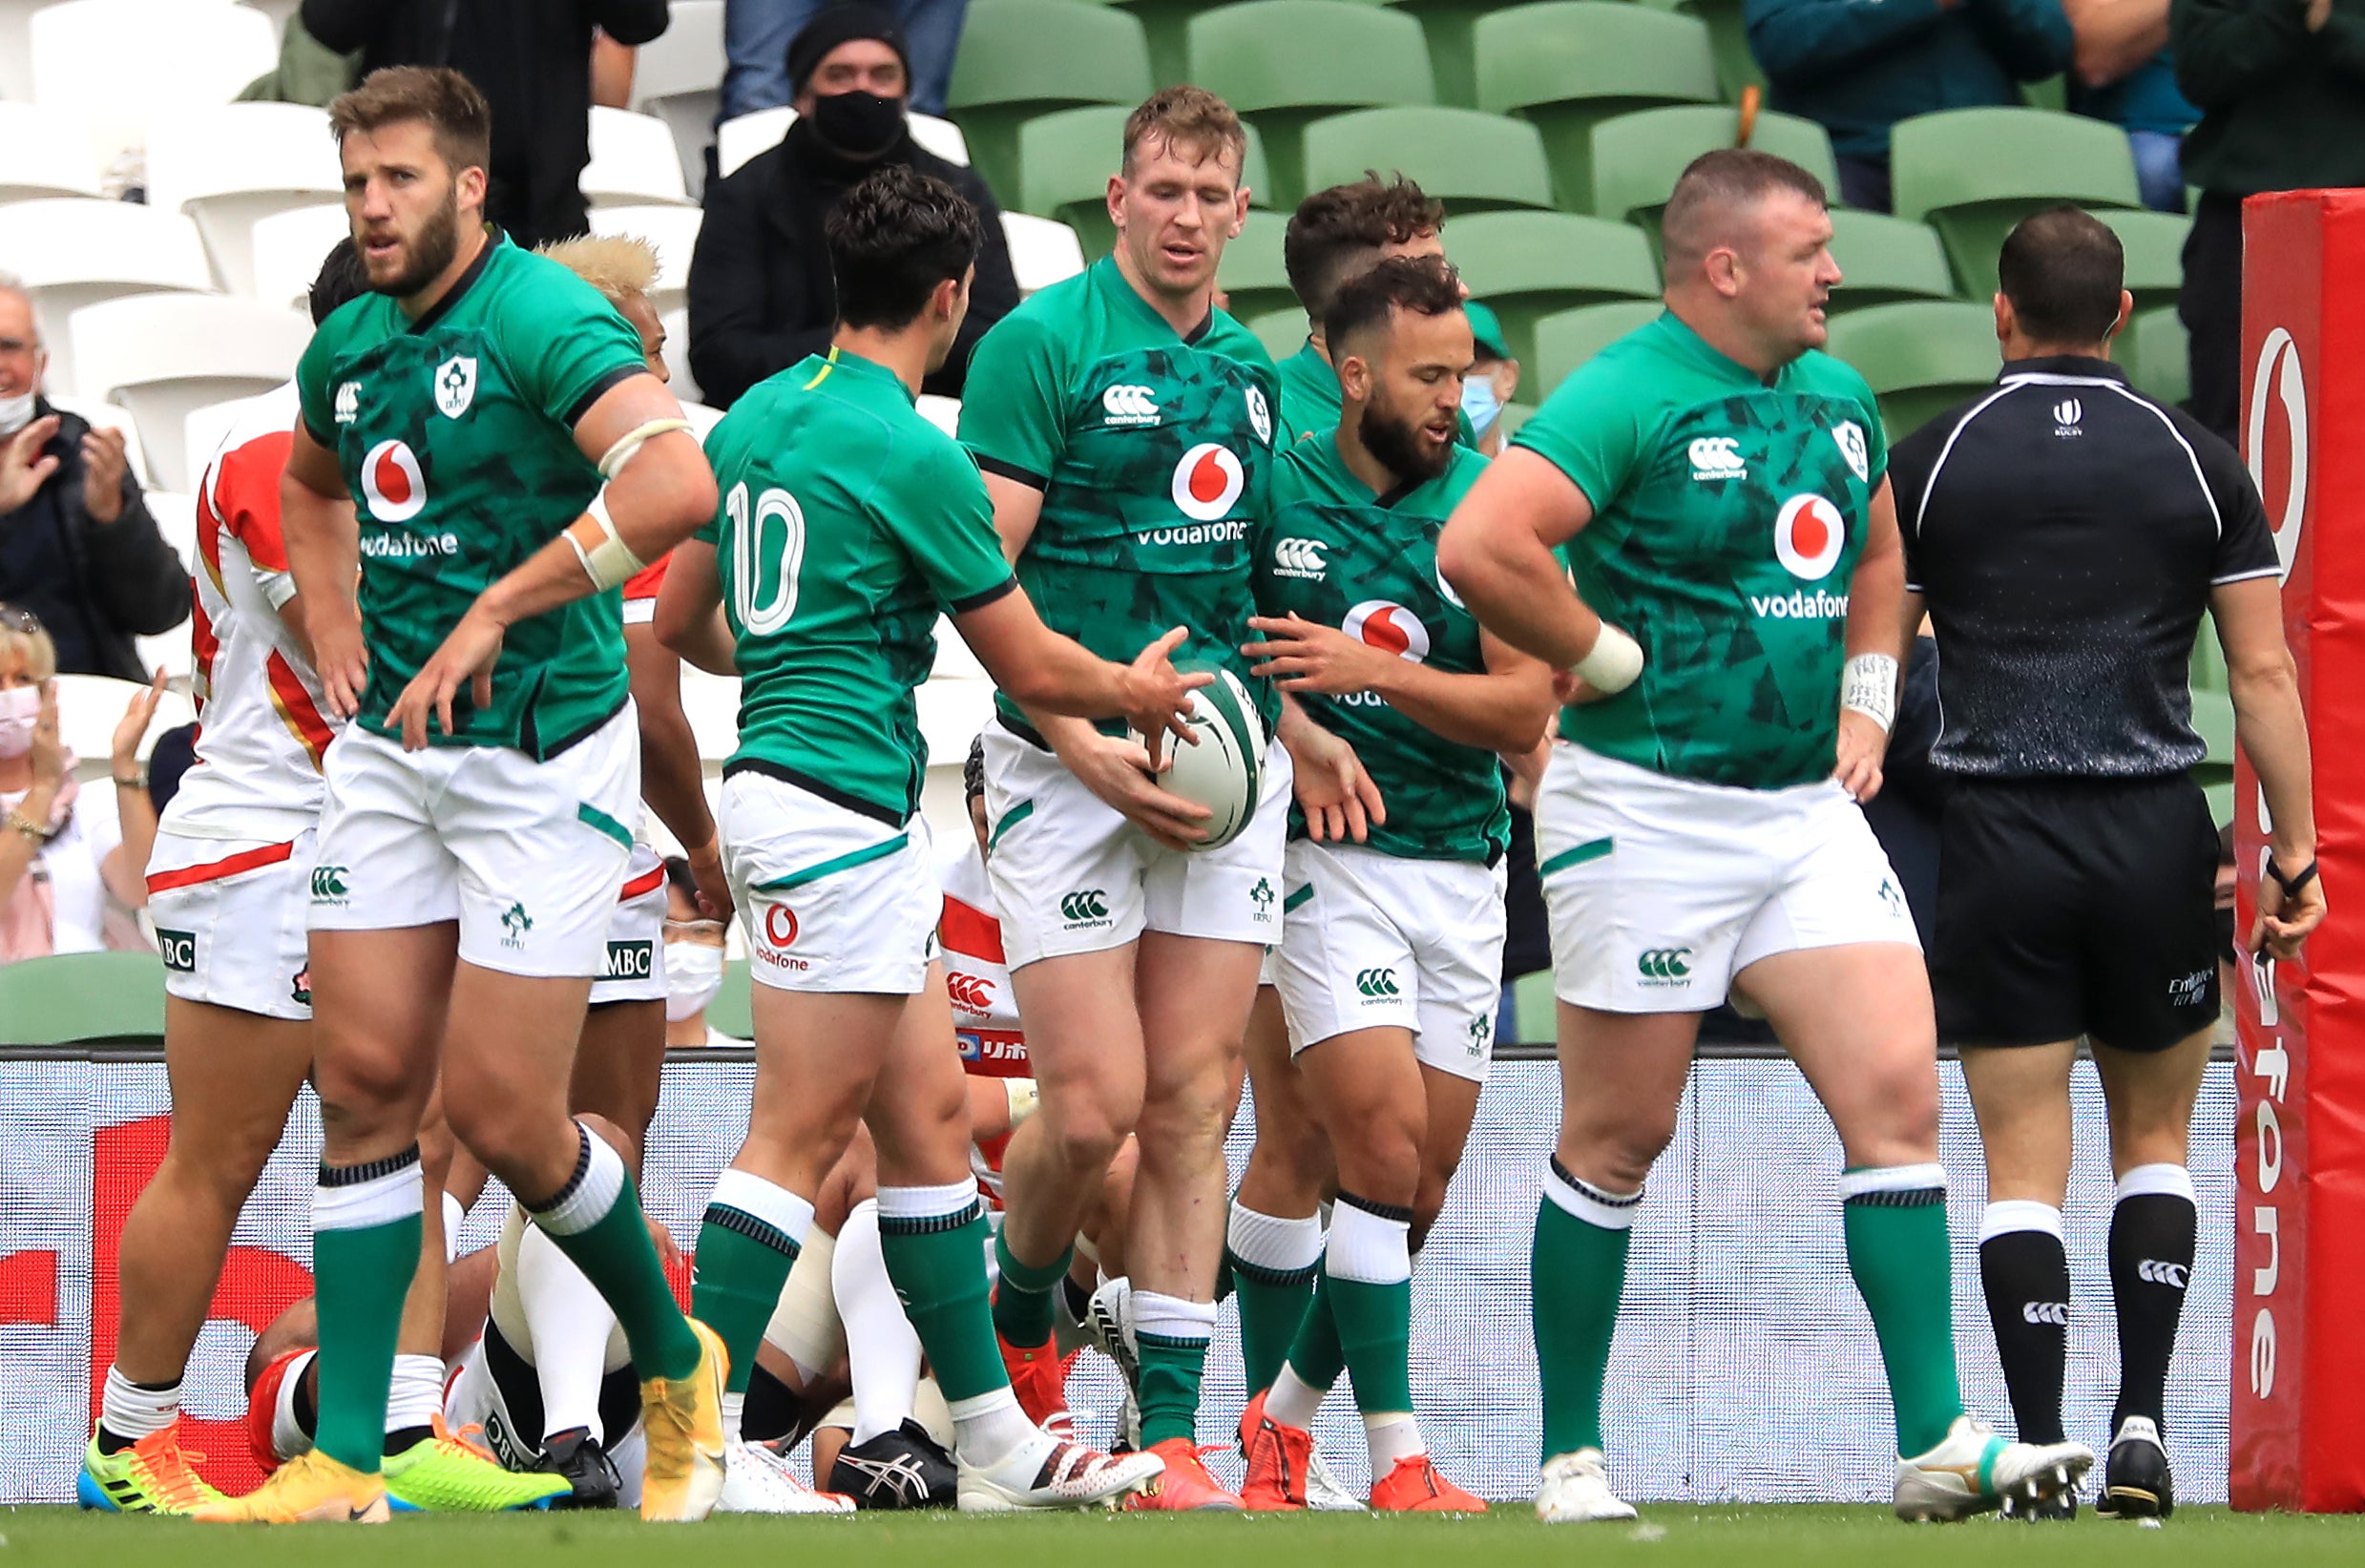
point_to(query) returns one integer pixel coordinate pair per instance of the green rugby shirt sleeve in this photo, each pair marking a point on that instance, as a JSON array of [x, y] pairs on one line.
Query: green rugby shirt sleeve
[[313, 394], [1014, 414], [1591, 430], [934, 502], [575, 349]]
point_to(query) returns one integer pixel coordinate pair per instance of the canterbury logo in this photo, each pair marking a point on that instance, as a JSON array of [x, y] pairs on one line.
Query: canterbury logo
[[2157, 1272], [1377, 982], [1299, 558], [328, 882], [1129, 405], [1092, 904], [1665, 964], [970, 993], [2055, 1313]]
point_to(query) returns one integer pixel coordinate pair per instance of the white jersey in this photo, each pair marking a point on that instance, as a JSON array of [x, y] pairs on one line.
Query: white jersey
[[264, 722], [985, 1013]]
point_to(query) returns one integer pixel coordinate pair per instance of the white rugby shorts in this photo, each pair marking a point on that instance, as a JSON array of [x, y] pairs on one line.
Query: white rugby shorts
[[635, 971], [834, 900], [230, 919], [1372, 940], [1662, 890], [527, 856], [1072, 875]]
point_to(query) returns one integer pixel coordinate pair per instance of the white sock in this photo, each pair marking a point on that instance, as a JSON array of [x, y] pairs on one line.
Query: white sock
[[882, 1351], [1273, 1241], [455, 1215], [130, 1412], [734, 1415], [570, 1322], [416, 1396], [1294, 1402], [288, 1438], [988, 1428], [1393, 1435]]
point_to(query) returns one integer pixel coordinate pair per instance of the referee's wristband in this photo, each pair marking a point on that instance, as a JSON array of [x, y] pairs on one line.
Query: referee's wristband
[[1869, 686]]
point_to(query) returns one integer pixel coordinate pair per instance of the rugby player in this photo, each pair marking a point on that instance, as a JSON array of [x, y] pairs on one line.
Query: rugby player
[[1125, 427], [1391, 954], [478, 812], [1716, 487], [846, 521]]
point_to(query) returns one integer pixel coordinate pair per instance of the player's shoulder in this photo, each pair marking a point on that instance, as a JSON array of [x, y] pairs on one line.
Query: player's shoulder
[[526, 289], [1830, 376], [1060, 316], [1227, 335], [1463, 467]]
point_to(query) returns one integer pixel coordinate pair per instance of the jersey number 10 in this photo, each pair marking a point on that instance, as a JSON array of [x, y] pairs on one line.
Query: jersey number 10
[[765, 608]]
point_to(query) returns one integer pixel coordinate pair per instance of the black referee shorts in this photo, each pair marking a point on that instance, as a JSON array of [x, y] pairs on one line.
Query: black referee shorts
[[2076, 907]]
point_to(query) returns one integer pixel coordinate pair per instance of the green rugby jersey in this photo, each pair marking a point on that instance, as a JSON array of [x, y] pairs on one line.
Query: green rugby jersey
[[1154, 455], [847, 519], [1729, 511], [1310, 401], [455, 433], [1336, 553]]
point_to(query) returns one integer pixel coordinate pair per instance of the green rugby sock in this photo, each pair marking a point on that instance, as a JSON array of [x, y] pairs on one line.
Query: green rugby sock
[[747, 1244], [1579, 1272], [1022, 1300], [1172, 1334], [1896, 1224], [937, 1264], [365, 1227], [1369, 1276], [594, 1219]]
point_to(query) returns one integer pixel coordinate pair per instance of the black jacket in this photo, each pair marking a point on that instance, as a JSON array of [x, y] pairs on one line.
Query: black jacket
[[761, 294], [94, 586], [530, 59], [2282, 109]]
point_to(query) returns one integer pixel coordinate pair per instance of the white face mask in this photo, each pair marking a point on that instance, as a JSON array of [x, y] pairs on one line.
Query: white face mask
[[17, 412], [693, 974], [20, 710], [1479, 404]]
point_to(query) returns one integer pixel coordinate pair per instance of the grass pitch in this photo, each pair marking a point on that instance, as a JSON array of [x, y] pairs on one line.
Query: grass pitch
[[1671, 1536]]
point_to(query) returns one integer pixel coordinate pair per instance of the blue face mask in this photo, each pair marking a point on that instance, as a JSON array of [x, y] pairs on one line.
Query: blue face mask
[[1479, 404]]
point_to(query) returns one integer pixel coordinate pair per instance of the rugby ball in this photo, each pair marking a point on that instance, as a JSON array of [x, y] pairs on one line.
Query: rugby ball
[[1224, 772]]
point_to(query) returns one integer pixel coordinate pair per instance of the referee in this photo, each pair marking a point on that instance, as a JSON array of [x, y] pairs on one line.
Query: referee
[[2064, 534]]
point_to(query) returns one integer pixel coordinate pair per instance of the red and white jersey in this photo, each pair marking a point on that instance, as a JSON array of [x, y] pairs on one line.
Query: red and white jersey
[[640, 592], [985, 1013], [263, 721]]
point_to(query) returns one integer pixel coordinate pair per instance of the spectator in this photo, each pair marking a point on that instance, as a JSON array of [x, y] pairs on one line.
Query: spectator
[[693, 961], [762, 296], [1857, 67], [77, 548], [2122, 73], [2281, 89], [532, 61], [757, 36], [71, 863], [1494, 380]]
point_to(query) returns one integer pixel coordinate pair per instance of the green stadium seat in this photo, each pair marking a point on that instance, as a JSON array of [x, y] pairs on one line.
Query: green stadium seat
[[1165, 23], [1921, 358], [2051, 94], [1065, 161], [1535, 1011], [2157, 355], [1448, 25], [1281, 333], [1728, 38], [1637, 158], [82, 998], [2220, 797], [732, 1012], [1251, 273], [2212, 719], [1568, 338], [1970, 174], [2154, 243], [1284, 64], [2208, 658], [1568, 65], [1883, 259], [1528, 265], [1512, 416], [1020, 58], [1471, 161]]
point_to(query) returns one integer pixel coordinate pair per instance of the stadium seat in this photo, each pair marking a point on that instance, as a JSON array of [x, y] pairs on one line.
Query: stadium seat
[[161, 355], [1567, 339], [90, 707], [175, 513], [2208, 658], [1285, 63], [672, 230], [1166, 25], [954, 656], [732, 1012], [1065, 161], [677, 77], [83, 998], [1281, 333], [1448, 25], [1471, 161], [682, 384], [289, 249], [1042, 251], [278, 11], [1252, 275], [737, 140], [702, 418], [1728, 40], [633, 161], [202, 429], [1921, 358], [16, 48], [1883, 259], [112, 417], [943, 412], [123, 64], [1970, 174], [71, 252], [1512, 416], [2158, 355], [1567, 65], [229, 167], [2154, 243], [44, 153], [2212, 719], [1637, 158], [1020, 58], [1528, 265]]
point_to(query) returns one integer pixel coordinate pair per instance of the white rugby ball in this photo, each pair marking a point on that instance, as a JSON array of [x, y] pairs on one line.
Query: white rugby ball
[[1224, 772]]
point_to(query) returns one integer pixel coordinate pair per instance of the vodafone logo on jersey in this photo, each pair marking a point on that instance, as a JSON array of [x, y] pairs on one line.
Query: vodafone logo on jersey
[[2279, 376], [1388, 627], [1809, 535], [393, 483], [1207, 482]]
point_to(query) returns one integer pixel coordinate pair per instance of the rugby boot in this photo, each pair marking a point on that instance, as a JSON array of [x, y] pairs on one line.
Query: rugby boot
[[1187, 1487], [1974, 1470], [580, 1461], [1278, 1458], [1048, 1473], [2136, 1482], [682, 1422], [1413, 1486], [154, 1476], [1575, 1490], [309, 1489], [446, 1473]]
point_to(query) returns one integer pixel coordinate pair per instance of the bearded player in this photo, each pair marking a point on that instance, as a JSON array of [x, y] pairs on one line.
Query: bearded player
[[1717, 490], [479, 808]]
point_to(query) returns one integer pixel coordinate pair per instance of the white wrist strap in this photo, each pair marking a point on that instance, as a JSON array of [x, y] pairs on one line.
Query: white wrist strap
[[607, 560], [1025, 1100], [1613, 664], [1870, 686]]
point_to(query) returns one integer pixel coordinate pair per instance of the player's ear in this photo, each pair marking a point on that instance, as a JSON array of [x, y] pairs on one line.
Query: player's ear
[[468, 187], [2006, 319], [1117, 200], [1723, 267]]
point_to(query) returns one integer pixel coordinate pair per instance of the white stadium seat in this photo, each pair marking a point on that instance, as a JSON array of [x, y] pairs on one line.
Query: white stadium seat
[[71, 252], [109, 417], [954, 658], [632, 161], [161, 355], [202, 429], [702, 419], [90, 707], [279, 11], [288, 248], [121, 63], [737, 140], [672, 230], [943, 412], [43, 153], [677, 325], [711, 704], [16, 48], [176, 518], [677, 77], [230, 167], [1042, 251], [951, 713]]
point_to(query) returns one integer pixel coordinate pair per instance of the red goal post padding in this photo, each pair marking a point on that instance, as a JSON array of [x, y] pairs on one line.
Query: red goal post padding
[[2298, 1398]]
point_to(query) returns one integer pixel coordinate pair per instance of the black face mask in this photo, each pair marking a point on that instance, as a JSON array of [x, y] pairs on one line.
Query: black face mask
[[858, 125]]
